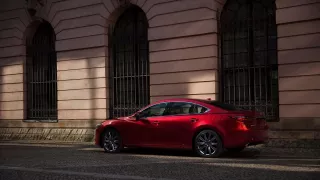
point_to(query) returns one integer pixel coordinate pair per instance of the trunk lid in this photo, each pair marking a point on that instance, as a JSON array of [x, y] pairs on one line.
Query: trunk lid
[[252, 119]]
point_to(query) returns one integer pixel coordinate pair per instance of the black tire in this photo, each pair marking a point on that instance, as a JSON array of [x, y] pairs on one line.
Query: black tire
[[111, 141], [236, 149], [212, 143]]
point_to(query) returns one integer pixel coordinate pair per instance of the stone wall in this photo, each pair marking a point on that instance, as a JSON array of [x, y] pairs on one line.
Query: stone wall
[[183, 55], [183, 42], [47, 134], [299, 73]]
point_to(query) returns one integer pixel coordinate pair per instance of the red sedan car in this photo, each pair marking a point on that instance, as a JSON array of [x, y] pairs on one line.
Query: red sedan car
[[205, 126]]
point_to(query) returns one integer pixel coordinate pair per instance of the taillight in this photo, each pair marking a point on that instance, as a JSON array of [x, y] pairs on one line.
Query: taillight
[[240, 122], [239, 118]]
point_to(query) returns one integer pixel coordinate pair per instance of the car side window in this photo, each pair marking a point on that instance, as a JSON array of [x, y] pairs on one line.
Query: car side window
[[197, 109], [156, 110], [181, 108]]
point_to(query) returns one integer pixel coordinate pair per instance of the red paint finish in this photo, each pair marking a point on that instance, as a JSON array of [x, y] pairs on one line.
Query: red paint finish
[[176, 130]]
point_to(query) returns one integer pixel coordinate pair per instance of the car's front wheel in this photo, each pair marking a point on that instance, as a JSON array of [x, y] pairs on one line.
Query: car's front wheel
[[112, 142], [208, 143]]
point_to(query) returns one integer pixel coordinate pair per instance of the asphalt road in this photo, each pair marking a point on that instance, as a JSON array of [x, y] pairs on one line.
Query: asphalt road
[[86, 162]]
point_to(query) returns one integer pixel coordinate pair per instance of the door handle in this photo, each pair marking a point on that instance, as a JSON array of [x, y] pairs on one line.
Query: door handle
[[193, 120]]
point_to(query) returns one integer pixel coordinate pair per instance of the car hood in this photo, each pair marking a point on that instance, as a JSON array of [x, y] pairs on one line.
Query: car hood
[[120, 118]]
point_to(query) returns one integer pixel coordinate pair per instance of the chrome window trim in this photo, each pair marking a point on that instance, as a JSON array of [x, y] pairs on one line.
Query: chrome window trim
[[208, 109], [152, 106]]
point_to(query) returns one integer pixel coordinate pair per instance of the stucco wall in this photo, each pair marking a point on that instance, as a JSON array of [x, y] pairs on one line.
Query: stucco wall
[[183, 55], [299, 68], [183, 49], [183, 43], [80, 28]]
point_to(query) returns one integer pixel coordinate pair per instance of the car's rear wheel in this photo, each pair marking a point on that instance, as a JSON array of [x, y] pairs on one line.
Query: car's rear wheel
[[112, 142], [208, 143]]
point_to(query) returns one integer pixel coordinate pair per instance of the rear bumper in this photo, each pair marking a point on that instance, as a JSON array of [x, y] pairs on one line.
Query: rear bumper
[[241, 138]]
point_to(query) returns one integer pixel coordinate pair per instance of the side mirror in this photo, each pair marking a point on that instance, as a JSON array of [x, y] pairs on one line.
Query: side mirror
[[137, 116]]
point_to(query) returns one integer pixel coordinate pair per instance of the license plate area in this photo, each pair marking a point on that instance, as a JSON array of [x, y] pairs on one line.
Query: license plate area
[[255, 123]]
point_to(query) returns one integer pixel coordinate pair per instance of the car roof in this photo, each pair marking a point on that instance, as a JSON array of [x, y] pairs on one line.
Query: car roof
[[181, 99]]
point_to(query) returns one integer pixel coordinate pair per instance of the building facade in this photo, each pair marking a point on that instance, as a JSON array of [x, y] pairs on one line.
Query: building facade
[[67, 65]]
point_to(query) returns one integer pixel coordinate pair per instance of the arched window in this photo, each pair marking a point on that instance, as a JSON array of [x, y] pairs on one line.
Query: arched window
[[41, 72], [249, 55], [129, 64]]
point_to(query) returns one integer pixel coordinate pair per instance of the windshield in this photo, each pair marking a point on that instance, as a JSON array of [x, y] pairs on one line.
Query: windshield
[[221, 105]]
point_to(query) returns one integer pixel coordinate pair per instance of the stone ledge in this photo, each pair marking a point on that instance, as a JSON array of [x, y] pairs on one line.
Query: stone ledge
[[298, 123], [294, 134], [294, 143], [77, 138], [79, 135]]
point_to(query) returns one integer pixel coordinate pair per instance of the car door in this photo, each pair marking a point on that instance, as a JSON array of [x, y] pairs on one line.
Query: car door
[[150, 119], [177, 126], [135, 132]]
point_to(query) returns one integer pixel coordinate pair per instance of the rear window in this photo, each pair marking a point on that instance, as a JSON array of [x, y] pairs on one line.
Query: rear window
[[221, 105]]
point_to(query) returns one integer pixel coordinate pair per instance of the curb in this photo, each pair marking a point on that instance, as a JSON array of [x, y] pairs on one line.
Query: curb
[[47, 142]]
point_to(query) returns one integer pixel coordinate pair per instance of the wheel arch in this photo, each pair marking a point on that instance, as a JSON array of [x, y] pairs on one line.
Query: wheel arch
[[213, 128], [103, 131]]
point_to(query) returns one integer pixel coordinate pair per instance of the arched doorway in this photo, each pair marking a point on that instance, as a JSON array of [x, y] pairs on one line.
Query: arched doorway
[[129, 64], [41, 74], [249, 55]]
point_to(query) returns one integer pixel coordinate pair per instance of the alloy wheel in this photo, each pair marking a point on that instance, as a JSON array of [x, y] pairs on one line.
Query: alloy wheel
[[111, 141], [208, 144]]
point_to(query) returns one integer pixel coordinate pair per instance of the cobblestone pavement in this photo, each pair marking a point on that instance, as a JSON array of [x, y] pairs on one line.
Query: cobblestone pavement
[[85, 161]]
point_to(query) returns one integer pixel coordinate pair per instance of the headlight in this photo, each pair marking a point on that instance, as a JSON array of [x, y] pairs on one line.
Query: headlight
[[98, 125]]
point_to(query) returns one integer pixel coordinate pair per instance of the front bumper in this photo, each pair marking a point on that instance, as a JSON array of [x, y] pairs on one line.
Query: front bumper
[[98, 131]]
